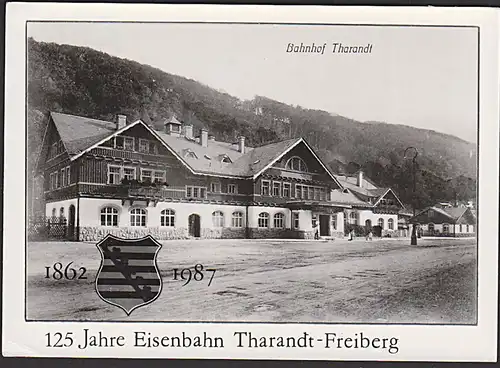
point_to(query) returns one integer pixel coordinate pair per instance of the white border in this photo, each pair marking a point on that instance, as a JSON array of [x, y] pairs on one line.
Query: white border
[[419, 343]]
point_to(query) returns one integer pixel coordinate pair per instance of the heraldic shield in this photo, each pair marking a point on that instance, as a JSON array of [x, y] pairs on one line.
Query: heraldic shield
[[128, 277]]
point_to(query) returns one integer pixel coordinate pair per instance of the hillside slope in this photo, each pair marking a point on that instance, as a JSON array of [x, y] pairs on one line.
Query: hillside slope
[[86, 82]]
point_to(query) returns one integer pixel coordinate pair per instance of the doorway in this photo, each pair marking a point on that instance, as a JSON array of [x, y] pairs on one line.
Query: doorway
[[368, 226], [71, 223], [324, 225], [194, 225]]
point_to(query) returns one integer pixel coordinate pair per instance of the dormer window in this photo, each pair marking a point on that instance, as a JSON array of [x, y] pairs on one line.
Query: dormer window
[[296, 164], [225, 159], [189, 153]]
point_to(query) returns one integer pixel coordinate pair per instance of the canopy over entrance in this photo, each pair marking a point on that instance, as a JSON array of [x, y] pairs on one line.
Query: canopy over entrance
[[316, 206]]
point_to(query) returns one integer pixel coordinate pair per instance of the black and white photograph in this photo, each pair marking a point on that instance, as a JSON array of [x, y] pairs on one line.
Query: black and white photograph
[[271, 173]]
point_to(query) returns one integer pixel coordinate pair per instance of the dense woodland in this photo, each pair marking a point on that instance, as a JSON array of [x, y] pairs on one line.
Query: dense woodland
[[86, 82]]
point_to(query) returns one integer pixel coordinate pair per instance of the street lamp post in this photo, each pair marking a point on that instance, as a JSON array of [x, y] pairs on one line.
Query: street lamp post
[[414, 174]]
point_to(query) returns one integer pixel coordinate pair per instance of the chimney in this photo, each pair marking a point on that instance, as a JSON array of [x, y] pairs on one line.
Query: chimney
[[360, 179], [188, 132], [204, 138], [121, 121], [241, 145]]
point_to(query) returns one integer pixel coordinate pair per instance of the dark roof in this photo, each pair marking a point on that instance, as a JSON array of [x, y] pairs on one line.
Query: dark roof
[[454, 212], [78, 133]]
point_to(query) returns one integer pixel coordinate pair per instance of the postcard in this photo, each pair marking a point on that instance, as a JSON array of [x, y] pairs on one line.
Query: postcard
[[251, 182]]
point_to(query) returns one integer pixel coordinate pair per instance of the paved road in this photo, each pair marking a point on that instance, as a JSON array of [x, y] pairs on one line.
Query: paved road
[[384, 281]]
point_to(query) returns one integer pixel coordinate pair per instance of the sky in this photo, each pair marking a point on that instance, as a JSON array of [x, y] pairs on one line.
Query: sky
[[416, 76]]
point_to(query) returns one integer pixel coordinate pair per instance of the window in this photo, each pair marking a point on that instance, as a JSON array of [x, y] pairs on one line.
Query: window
[[237, 219], [467, 227], [296, 164], [310, 191], [218, 219], [143, 145], [226, 159], [63, 177], [381, 223], [68, 177], [129, 173], [265, 188], [128, 143], [286, 190], [232, 188], [353, 218], [160, 177], [195, 192], [390, 224], [334, 222], [54, 212], [317, 195], [114, 174], [431, 213], [61, 212], [446, 228], [298, 191], [118, 142], [153, 148], [109, 216], [276, 188], [431, 227], [215, 187], [295, 220], [56, 180], [279, 220], [146, 175], [460, 228], [138, 217], [167, 218], [263, 219]]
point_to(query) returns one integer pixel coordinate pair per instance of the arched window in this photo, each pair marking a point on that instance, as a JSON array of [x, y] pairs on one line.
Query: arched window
[[381, 222], [167, 218], [138, 217], [109, 216], [263, 219], [237, 219], [218, 219], [279, 220], [390, 224], [467, 227], [460, 228], [54, 213], [296, 164], [446, 228], [61, 212], [431, 228], [353, 218]]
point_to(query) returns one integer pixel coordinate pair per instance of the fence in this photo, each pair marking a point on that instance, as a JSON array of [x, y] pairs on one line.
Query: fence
[[44, 228]]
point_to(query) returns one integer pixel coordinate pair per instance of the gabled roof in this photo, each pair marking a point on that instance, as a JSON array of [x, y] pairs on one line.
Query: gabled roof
[[78, 133], [454, 213]]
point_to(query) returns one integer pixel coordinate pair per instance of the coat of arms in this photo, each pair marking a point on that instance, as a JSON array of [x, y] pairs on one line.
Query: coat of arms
[[128, 277]]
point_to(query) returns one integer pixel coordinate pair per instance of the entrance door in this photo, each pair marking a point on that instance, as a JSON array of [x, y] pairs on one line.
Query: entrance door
[[368, 225], [194, 225], [71, 223], [324, 225]]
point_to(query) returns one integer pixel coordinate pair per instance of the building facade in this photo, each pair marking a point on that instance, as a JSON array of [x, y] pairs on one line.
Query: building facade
[[130, 180], [445, 221], [375, 209]]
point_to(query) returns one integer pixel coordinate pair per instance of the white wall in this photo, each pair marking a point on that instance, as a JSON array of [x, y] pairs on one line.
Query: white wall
[[57, 205], [90, 209], [364, 215], [253, 216]]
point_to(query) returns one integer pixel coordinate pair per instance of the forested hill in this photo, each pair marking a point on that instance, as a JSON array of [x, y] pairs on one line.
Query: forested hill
[[83, 81]]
